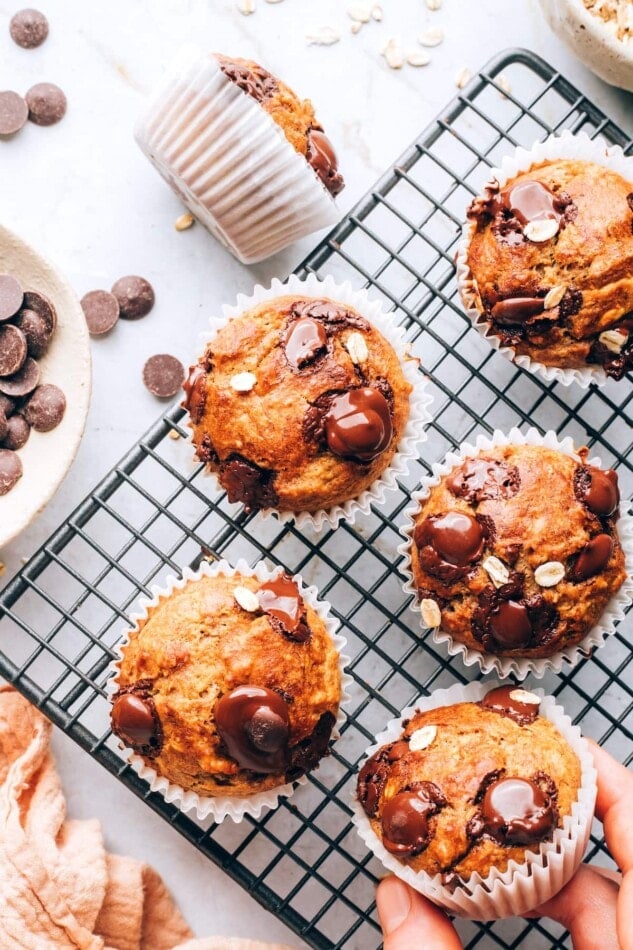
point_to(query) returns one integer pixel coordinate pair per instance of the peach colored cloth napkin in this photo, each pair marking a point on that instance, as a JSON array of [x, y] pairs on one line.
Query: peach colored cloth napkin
[[58, 886]]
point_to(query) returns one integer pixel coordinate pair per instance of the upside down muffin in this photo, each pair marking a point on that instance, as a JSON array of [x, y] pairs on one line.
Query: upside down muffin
[[469, 787], [551, 264], [230, 686], [298, 404], [516, 551]]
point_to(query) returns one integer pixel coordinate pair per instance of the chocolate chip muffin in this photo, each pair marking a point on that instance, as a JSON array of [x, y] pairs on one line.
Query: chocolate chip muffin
[[551, 265], [467, 788], [516, 551], [294, 116], [246, 155], [298, 404], [230, 686]]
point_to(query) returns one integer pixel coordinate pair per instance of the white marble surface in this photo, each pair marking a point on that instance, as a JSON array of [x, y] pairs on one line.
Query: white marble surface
[[85, 196]]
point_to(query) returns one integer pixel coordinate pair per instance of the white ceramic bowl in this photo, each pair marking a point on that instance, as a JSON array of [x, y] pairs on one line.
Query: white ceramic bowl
[[47, 456], [594, 41]]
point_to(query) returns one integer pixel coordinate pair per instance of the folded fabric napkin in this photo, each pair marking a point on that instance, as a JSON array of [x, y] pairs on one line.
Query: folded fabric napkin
[[58, 885]]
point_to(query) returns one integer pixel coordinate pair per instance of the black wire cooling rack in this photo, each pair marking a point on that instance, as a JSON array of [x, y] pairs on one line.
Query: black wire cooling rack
[[156, 512]]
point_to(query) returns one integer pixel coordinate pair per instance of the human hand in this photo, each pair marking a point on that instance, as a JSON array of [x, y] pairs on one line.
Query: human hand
[[596, 906]]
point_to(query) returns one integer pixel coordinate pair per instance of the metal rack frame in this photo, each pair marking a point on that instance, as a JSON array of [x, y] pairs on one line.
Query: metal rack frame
[[157, 512]]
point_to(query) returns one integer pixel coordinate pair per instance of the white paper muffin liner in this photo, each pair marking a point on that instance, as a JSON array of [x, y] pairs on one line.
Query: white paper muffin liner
[[515, 666], [220, 807], [521, 887], [566, 145], [419, 398], [230, 162]]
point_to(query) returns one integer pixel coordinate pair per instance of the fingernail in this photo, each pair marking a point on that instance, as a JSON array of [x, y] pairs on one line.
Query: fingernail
[[394, 904]]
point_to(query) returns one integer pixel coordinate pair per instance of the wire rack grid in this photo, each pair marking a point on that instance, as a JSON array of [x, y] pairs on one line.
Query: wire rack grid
[[156, 512]]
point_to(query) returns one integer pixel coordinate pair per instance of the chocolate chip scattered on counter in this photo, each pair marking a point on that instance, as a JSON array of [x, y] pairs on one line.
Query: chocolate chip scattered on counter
[[46, 407], [135, 296], [46, 103], [13, 112], [10, 470], [28, 28], [7, 406], [36, 332], [101, 311], [13, 349], [163, 375], [11, 296], [23, 382], [18, 431]]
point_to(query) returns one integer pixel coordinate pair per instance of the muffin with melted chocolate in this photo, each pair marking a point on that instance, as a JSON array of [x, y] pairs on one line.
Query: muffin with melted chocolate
[[515, 553], [298, 404], [245, 153], [463, 790], [548, 266], [230, 685]]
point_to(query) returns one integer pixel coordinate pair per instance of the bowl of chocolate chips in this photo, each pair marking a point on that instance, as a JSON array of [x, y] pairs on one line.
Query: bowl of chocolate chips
[[44, 382]]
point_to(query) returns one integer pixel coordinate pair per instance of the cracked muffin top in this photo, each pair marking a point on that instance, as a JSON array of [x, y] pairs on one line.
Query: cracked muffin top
[[298, 404], [294, 116], [230, 686], [516, 552], [470, 787], [551, 260]]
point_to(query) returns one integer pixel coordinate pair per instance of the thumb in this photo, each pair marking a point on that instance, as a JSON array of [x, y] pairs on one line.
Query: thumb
[[409, 920]]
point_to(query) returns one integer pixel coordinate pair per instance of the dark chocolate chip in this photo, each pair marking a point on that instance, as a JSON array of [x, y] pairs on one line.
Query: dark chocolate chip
[[135, 720], [516, 310], [449, 544], [195, 393], [11, 296], [7, 406], [333, 315], [10, 470], [593, 558], [46, 407], [479, 479], [597, 489], [18, 431], [246, 482], [23, 382], [42, 306], [510, 624], [372, 779], [4, 430], [135, 296], [254, 80], [36, 332], [253, 723], [101, 311], [163, 375], [13, 349], [533, 201], [13, 112], [322, 157], [516, 811], [506, 701], [28, 28], [358, 425], [305, 340], [405, 818], [306, 755], [281, 600], [46, 103]]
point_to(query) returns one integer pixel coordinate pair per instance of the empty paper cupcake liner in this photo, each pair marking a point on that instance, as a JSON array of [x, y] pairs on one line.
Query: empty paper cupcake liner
[[419, 399], [230, 162], [521, 887], [569, 146], [515, 666], [220, 807]]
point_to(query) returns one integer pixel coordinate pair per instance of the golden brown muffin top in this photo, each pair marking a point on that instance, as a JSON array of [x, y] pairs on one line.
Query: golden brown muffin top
[[470, 787], [318, 415], [294, 116], [549, 523], [552, 297], [225, 700]]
